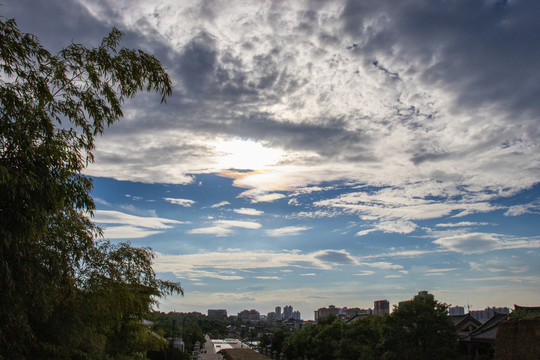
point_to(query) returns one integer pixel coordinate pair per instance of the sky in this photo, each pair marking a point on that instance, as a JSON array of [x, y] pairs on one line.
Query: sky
[[322, 152]]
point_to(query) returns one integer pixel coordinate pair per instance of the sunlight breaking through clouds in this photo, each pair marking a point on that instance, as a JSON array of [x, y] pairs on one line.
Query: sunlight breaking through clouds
[[356, 140]]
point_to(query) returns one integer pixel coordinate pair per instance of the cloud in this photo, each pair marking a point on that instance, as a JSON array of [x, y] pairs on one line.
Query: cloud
[[118, 225], [257, 197], [181, 202], [222, 228], [470, 243], [116, 217], [441, 270], [392, 276], [359, 95], [396, 226], [127, 232], [394, 208], [462, 224], [499, 266], [248, 211], [365, 273], [336, 257], [267, 277], [308, 274], [516, 210], [519, 279], [221, 263], [240, 224], [287, 231], [404, 254], [219, 231], [383, 265], [220, 204]]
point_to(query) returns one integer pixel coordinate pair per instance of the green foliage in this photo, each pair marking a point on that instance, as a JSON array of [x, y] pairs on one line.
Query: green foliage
[[66, 293], [418, 329], [421, 329]]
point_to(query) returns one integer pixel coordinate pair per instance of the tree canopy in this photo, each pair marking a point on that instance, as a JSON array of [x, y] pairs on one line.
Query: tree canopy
[[418, 329], [65, 292]]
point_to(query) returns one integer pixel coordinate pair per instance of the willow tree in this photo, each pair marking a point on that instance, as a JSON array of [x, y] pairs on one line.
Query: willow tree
[[63, 290]]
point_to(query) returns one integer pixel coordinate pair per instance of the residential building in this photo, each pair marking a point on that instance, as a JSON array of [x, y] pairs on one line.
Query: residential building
[[381, 307], [278, 312], [456, 310], [250, 315], [343, 313], [287, 312], [488, 313], [323, 312], [217, 313]]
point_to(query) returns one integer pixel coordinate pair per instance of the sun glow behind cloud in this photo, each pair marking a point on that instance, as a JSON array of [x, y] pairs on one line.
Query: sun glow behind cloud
[[246, 155]]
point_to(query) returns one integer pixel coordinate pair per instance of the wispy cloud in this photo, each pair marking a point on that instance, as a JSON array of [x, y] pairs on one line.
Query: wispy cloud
[[396, 226], [533, 279], [223, 228], [499, 265], [248, 211], [220, 204], [365, 273], [118, 225], [463, 224], [470, 243], [203, 264], [287, 231]]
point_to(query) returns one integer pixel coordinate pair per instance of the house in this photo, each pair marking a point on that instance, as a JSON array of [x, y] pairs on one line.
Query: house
[[481, 340]]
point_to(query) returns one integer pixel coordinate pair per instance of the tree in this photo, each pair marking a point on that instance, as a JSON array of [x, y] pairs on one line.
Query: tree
[[64, 291], [421, 329], [318, 341], [363, 339]]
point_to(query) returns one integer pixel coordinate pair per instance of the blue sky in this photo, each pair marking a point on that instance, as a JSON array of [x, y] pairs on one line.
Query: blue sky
[[323, 152]]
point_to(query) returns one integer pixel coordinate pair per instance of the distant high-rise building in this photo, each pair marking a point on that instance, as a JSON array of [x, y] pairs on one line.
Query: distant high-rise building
[[421, 294], [349, 313], [278, 312], [217, 313], [296, 315], [381, 307], [487, 313], [249, 315], [343, 313], [323, 312], [287, 312], [456, 310]]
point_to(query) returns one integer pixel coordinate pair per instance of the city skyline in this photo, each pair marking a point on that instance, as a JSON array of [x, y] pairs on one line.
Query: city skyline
[[318, 153], [380, 307]]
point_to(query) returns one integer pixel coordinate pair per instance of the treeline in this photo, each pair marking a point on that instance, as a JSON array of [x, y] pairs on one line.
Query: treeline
[[419, 329]]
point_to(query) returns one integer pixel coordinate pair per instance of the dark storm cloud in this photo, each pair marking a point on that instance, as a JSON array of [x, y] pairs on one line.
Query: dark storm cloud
[[77, 24], [486, 52], [197, 63]]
